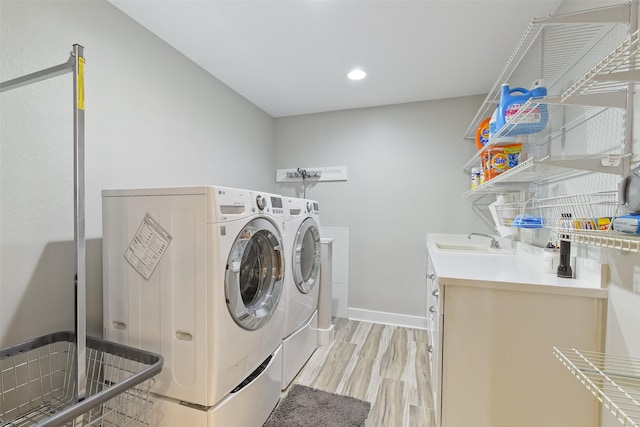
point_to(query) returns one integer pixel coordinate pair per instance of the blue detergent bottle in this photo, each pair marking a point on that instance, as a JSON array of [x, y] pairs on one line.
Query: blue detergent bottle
[[511, 101]]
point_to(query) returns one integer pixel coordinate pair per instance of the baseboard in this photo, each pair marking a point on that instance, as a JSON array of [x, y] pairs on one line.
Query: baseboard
[[388, 318]]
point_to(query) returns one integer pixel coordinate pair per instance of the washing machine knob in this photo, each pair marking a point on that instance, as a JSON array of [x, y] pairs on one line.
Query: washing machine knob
[[261, 202], [309, 207]]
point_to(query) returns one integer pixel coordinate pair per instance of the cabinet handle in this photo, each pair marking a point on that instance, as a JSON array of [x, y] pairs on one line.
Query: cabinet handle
[[184, 336], [431, 276], [432, 309], [119, 325], [430, 349], [435, 293]]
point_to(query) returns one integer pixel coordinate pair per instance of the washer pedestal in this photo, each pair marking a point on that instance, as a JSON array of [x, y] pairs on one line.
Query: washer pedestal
[[249, 407]]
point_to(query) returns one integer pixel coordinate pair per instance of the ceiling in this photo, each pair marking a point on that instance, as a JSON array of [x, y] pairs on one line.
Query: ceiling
[[291, 57]]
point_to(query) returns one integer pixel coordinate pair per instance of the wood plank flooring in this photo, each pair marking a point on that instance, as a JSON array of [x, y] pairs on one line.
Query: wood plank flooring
[[385, 365]]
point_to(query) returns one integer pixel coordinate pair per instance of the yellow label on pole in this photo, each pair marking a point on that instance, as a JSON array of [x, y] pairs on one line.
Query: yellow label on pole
[[81, 83]]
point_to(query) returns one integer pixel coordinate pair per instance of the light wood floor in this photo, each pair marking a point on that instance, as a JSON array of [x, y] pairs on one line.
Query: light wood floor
[[385, 365]]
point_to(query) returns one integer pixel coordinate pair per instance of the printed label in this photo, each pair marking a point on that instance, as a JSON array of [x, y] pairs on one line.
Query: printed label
[[81, 83], [529, 115], [147, 247]]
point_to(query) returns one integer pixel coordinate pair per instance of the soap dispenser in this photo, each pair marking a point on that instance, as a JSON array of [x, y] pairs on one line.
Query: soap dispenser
[[564, 268]]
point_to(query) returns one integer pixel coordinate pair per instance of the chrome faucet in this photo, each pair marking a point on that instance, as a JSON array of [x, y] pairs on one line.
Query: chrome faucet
[[494, 242]]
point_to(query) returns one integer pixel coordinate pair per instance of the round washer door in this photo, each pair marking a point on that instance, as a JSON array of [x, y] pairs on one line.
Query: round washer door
[[253, 279], [306, 256]]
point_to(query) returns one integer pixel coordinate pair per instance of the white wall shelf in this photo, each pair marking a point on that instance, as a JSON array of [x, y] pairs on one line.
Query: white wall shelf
[[553, 52], [613, 380], [563, 120], [613, 73], [525, 177], [588, 135], [575, 217], [611, 240]]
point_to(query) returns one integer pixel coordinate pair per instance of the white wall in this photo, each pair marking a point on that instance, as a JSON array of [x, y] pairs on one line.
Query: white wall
[[405, 179], [153, 118]]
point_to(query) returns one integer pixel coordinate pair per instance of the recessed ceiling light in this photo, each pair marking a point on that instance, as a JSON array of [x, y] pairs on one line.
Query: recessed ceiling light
[[356, 74]]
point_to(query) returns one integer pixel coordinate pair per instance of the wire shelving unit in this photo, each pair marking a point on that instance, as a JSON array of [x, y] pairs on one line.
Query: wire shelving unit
[[613, 379]]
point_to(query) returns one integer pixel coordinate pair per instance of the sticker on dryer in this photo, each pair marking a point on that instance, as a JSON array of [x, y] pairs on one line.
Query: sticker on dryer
[[147, 247]]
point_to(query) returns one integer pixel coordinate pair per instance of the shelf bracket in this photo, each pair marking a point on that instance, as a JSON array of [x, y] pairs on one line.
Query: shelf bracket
[[617, 99], [619, 76], [613, 14], [611, 163]]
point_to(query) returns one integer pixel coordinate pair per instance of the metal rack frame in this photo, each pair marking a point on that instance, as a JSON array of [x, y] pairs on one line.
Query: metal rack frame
[[75, 65], [68, 378]]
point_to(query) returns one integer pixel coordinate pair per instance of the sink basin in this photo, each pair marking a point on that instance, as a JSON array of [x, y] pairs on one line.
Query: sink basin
[[461, 247]]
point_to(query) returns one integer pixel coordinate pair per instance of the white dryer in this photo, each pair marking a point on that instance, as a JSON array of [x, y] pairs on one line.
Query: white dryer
[[196, 274], [302, 283]]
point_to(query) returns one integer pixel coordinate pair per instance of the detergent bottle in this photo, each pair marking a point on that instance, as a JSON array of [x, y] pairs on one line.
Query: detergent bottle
[[493, 124], [533, 120]]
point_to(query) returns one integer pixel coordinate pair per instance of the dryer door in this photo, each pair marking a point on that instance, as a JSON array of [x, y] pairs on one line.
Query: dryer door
[[253, 280], [306, 256]]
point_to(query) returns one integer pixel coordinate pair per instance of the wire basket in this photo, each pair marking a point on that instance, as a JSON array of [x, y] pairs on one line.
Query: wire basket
[[580, 212], [519, 214], [38, 384]]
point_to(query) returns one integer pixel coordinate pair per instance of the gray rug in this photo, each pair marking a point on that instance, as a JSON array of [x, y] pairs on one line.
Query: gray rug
[[308, 407]]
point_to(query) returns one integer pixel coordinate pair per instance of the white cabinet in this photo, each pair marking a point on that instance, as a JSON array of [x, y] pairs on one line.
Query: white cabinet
[[495, 321], [497, 367], [434, 316]]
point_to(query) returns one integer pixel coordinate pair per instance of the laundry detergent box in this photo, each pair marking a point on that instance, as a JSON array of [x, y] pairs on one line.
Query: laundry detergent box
[[497, 160]]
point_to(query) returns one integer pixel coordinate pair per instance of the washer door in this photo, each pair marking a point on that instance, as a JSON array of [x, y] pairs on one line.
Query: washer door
[[253, 280], [306, 256]]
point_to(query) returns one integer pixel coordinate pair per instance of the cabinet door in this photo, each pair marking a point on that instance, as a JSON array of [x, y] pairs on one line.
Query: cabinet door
[[498, 367]]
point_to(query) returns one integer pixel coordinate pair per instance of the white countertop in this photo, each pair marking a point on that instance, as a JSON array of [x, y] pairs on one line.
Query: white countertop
[[515, 269]]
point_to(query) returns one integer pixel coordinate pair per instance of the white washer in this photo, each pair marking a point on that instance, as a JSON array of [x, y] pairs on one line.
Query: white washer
[[302, 283], [212, 305]]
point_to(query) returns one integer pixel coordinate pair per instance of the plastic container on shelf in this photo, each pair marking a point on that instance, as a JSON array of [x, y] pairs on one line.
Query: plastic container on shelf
[[475, 178], [531, 120], [503, 211], [499, 159], [483, 133], [493, 124]]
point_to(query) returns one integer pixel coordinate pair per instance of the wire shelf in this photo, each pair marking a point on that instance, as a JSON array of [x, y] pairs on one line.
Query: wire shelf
[[590, 211], [581, 218], [614, 72], [557, 53], [610, 240], [614, 380], [591, 130], [576, 212], [38, 385]]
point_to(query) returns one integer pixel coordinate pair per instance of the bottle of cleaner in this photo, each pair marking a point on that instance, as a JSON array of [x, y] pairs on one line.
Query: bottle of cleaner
[[512, 100]]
